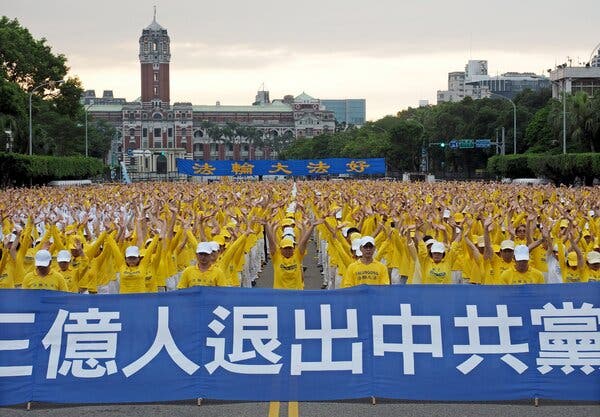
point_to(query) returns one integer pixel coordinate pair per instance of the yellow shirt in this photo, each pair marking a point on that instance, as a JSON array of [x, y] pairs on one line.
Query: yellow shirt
[[514, 277], [437, 273], [52, 281], [6, 279], [70, 277], [573, 275], [591, 275], [287, 271], [192, 276], [358, 273], [132, 279], [499, 266]]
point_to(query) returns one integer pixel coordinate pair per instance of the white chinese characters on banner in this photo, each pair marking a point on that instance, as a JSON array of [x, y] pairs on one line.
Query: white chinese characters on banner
[[570, 338], [90, 338], [407, 346], [503, 323], [253, 324], [163, 340], [19, 344], [326, 333]]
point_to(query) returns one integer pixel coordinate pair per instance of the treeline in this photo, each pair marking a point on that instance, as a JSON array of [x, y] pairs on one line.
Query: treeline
[[559, 168], [18, 170], [400, 138]]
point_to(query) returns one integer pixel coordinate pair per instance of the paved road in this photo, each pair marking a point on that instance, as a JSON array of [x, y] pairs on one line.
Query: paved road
[[354, 408]]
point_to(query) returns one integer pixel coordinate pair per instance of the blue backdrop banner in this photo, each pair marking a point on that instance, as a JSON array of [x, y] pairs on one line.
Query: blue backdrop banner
[[448, 343], [297, 167]]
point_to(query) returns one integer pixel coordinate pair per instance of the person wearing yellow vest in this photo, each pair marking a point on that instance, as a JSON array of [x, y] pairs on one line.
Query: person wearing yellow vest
[[521, 272], [366, 270], [205, 273], [43, 277]]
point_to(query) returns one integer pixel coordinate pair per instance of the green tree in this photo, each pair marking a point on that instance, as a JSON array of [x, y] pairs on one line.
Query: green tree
[[26, 61], [583, 121]]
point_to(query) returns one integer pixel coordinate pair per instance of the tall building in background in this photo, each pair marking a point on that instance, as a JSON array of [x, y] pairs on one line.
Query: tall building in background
[[351, 111], [154, 132], [475, 82]]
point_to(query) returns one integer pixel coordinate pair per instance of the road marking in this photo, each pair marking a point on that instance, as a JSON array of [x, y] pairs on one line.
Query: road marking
[[274, 409], [293, 409]]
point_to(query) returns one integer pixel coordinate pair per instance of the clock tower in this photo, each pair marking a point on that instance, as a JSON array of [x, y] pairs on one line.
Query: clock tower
[[155, 55]]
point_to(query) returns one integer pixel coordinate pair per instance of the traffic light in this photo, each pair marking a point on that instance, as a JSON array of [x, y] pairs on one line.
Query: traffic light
[[442, 144]]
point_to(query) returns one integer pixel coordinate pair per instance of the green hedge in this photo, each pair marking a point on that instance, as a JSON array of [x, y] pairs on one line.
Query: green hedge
[[558, 168], [18, 169]]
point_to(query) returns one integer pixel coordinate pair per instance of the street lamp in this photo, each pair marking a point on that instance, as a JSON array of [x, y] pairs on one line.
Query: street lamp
[[57, 82], [86, 108], [565, 114], [514, 119]]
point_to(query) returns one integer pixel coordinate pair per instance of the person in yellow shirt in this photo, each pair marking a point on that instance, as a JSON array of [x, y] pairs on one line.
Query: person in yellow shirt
[[133, 267], [205, 272], [592, 270], [437, 268], [366, 270], [502, 263], [43, 277], [287, 257], [70, 274], [6, 280], [522, 273]]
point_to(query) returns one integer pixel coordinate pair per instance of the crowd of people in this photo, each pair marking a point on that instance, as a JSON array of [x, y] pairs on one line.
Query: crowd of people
[[153, 237]]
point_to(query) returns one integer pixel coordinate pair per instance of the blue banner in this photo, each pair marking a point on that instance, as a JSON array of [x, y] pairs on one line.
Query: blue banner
[[447, 343], [297, 167]]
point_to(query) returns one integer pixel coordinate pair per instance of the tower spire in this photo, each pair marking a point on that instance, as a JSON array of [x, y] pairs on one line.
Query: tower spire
[[154, 19]]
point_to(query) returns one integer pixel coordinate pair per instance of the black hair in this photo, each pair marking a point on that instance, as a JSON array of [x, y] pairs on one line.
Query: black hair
[[352, 230]]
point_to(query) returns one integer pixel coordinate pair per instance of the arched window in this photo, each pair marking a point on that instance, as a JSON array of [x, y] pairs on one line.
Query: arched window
[[132, 132], [198, 134]]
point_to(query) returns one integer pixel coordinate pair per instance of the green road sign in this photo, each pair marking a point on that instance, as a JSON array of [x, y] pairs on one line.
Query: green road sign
[[466, 143]]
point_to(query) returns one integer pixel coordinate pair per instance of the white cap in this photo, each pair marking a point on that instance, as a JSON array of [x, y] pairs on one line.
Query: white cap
[[593, 257], [438, 247], [43, 258], [214, 246], [132, 252], [367, 239], [204, 247], [521, 253], [345, 231], [430, 241], [338, 214], [63, 256], [591, 213], [446, 214], [507, 244], [288, 231], [356, 244]]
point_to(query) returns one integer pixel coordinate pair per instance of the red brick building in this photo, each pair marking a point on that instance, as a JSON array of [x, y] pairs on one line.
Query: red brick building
[[155, 132]]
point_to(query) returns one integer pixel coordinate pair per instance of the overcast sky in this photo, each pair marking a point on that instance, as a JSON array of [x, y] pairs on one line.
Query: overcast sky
[[390, 52]]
